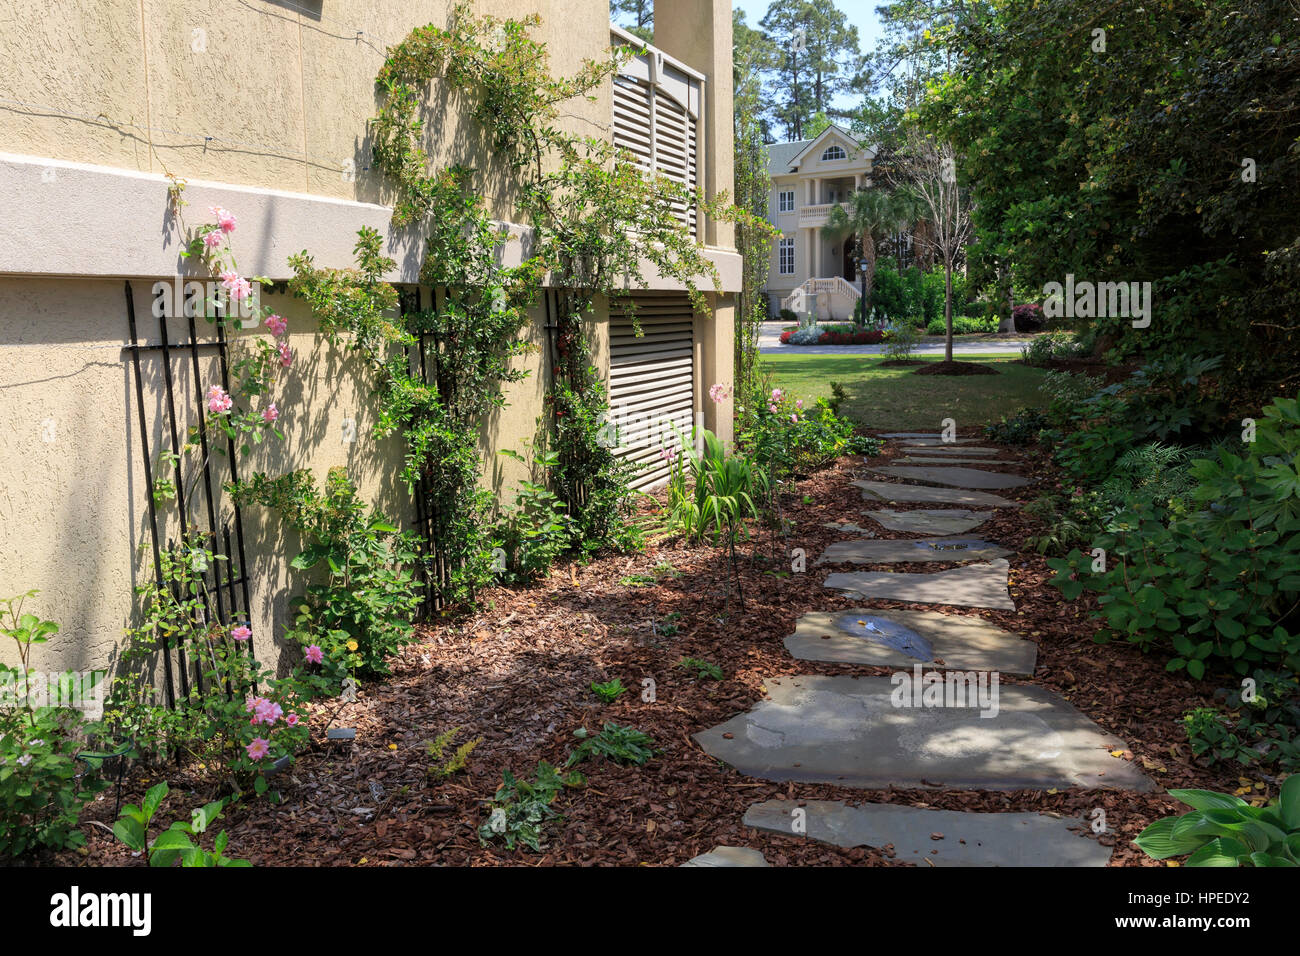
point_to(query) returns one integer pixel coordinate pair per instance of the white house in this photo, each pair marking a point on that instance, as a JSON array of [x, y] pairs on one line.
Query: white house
[[808, 178]]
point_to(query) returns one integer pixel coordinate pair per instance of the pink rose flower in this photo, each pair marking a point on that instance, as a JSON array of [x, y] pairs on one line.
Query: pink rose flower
[[269, 713], [236, 285], [218, 401], [776, 395], [258, 749], [212, 239], [286, 354], [277, 325], [315, 655], [798, 403], [794, 419], [292, 720], [270, 413], [772, 409], [225, 218], [719, 392], [241, 633]]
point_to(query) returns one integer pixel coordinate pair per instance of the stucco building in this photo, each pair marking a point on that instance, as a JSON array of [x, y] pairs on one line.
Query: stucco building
[[262, 108]]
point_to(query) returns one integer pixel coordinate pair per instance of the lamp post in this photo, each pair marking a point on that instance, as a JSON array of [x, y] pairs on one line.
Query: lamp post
[[863, 265]]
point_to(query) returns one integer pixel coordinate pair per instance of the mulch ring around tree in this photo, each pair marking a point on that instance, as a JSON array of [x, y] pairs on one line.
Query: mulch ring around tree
[[956, 368], [902, 363], [517, 671]]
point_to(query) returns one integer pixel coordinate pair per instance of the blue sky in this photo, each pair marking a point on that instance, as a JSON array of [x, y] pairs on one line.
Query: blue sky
[[861, 13]]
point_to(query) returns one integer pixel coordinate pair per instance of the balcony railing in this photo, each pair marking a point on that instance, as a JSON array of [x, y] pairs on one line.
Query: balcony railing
[[818, 215]]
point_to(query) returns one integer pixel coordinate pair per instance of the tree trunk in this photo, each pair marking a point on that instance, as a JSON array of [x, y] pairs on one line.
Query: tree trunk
[[869, 254], [947, 307]]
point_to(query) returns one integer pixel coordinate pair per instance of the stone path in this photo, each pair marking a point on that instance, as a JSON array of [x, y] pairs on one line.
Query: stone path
[[728, 856], [929, 520], [911, 550], [943, 719], [874, 732], [893, 492], [896, 638], [976, 585], [936, 460], [942, 837], [956, 477]]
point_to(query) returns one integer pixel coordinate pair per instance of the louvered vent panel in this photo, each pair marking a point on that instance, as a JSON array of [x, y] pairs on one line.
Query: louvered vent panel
[[651, 382]]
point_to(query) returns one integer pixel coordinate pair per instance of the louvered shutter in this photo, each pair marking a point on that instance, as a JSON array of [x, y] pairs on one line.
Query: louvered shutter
[[652, 382], [656, 118]]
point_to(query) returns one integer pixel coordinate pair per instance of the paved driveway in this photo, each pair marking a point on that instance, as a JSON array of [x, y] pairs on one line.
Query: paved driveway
[[769, 343]]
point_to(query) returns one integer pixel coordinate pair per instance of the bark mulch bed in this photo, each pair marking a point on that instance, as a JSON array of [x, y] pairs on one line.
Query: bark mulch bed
[[517, 671]]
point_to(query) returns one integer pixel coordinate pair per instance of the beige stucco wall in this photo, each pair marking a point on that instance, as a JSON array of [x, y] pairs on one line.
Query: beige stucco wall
[[74, 512], [263, 108]]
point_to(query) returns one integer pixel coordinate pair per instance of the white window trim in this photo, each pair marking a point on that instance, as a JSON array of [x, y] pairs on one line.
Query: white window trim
[[785, 243], [830, 159], [781, 195]]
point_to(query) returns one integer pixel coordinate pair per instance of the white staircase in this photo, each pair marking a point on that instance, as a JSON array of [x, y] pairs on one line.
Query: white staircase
[[824, 299]]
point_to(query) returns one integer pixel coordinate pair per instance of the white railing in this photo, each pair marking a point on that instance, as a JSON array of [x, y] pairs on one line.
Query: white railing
[[829, 298], [819, 214]]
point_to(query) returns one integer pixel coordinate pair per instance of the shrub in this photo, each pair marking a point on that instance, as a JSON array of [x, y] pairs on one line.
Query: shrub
[[809, 336], [1219, 582], [786, 336], [1047, 347], [1259, 727], [1027, 317], [790, 440], [789, 315], [1020, 429], [962, 325], [900, 338]]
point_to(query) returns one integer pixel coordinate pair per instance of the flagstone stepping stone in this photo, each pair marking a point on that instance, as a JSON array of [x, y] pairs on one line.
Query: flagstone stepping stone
[[930, 520], [935, 440], [729, 856], [948, 450], [956, 477], [911, 550], [877, 732], [848, 526], [892, 492], [934, 435], [901, 638], [974, 585], [943, 837], [936, 460]]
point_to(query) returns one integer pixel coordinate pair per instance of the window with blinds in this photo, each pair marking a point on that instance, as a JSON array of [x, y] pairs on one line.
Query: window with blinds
[[656, 118], [652, 382]]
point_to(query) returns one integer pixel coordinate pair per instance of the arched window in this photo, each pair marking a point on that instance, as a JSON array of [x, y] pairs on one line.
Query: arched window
[[833, 152]]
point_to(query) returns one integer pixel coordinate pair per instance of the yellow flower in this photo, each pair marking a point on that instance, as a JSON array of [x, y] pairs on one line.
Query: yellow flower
[[352, 645]]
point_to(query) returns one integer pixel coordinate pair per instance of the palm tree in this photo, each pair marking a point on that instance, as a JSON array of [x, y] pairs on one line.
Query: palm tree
[[873, 214]]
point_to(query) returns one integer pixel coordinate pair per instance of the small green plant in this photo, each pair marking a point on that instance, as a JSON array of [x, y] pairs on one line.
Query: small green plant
[[900, 339], [1224, 830], [363, 612], [176, 843], [1021, 428], [609, 691], [670, 625], [42, 794], [522, 808], [444, 766], [702, 668], [537, 529], [623, 745]]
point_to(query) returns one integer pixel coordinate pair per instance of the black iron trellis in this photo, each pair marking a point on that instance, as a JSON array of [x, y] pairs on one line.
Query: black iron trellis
[[222, 598], [425, 363]]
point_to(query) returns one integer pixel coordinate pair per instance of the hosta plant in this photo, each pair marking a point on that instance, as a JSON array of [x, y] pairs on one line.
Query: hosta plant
[[1223, 830]]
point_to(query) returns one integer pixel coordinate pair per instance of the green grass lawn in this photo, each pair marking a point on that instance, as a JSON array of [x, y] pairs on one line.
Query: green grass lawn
[[896, 399]]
